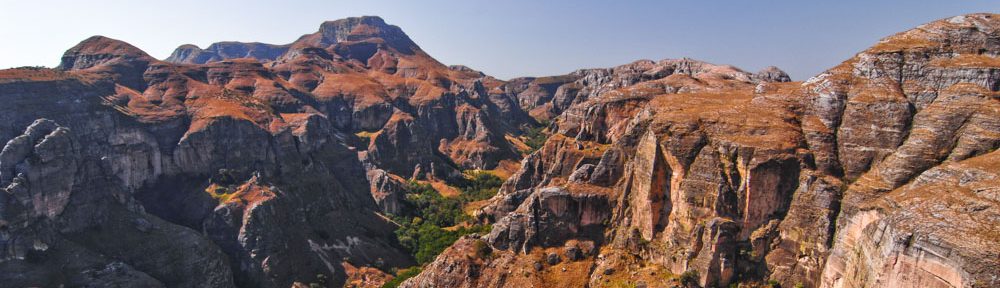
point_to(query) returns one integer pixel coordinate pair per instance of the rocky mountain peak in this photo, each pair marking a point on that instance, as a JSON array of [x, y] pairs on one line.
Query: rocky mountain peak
[[968, 41], [356, 28], [184, 54], [191, 54], [354, 35], [772, 74], [98, 50], [365, 28]]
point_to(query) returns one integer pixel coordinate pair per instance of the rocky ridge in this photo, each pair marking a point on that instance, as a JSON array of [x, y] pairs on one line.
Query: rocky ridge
[[872, 174], [228, 170], [261, 165]]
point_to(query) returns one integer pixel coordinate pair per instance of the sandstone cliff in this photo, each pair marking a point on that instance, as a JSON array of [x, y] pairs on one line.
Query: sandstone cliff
[[263, 165], [875, 173]]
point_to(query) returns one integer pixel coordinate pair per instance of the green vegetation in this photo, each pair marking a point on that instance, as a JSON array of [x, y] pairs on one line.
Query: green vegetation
[[433, 208], [481, 186], [426, 240], [483, 250], [535, 136], [422, 232], [622, 283], [36, 68], [220, 193], [689, 278], [320, 281], [222, 185], [400, 277]]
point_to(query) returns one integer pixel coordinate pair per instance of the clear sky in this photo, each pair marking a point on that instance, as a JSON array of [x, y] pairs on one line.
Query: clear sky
[[502, 38]]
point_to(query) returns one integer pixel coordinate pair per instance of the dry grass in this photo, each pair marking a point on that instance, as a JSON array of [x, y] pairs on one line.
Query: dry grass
[[363, 276], [518, 144], [505, 168], [734, 116], [443, 188], [967, 61], [250, 192], [32, 74], [909, 40]]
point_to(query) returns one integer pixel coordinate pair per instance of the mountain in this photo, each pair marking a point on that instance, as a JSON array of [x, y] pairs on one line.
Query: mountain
[[880, 172], [231, 171], [295, 165]]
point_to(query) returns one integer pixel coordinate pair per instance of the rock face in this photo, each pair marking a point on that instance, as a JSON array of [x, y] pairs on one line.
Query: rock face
[[551, 217], [40, 166], [389, 191], [772, 74], [949, 95], [246, 162], [190, 54], [877, 173], [60, 215], [260, 165], [936, 242]]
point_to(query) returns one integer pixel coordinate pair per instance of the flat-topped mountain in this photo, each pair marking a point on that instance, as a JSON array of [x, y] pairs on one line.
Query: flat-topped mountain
[[371, 30]]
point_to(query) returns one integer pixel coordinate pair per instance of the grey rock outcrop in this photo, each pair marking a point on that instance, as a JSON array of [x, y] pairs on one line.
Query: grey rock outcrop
[[190, 54], [551, 217], [52, 216]]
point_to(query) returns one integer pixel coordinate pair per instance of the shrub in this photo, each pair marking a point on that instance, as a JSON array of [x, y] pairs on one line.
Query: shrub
[[535, 136], [482, 249], [409, 273], [481, 186], [428, 204], [689, 278]]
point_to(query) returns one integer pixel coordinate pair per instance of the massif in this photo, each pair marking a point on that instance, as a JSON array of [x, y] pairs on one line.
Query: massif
[[259, 165]]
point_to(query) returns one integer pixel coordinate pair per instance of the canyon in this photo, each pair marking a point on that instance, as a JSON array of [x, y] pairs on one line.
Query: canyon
[[263, 165]]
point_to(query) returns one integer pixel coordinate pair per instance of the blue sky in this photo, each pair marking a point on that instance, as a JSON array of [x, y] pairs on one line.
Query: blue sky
[[502, 38]]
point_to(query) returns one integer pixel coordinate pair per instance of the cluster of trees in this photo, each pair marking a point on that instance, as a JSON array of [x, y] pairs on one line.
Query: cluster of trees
[[423, 202], [426, 240], [401, 276], [32, 68], [481, 186], [535, 136], [434, 222]]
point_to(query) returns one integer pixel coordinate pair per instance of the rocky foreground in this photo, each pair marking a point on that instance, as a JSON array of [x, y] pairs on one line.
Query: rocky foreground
[[260, 165]]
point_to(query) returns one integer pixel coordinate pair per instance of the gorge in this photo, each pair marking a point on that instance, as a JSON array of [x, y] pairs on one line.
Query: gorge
[[305, 164]]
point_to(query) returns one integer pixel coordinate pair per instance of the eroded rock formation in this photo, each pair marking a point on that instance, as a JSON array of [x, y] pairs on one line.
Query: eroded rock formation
[[260, 165], [253, 156], [876, 173]]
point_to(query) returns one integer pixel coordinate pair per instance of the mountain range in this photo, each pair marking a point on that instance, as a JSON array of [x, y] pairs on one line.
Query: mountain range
[[302, 165]]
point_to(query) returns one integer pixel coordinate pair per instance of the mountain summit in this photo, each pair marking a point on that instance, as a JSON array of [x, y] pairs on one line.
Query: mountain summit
[[371, 30]]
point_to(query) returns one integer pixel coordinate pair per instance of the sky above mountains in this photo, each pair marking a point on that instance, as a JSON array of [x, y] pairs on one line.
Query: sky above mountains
[[502, 38]]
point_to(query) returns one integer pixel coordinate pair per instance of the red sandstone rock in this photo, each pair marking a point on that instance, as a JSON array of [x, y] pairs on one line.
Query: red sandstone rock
[[854, 178], [274, 160]]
